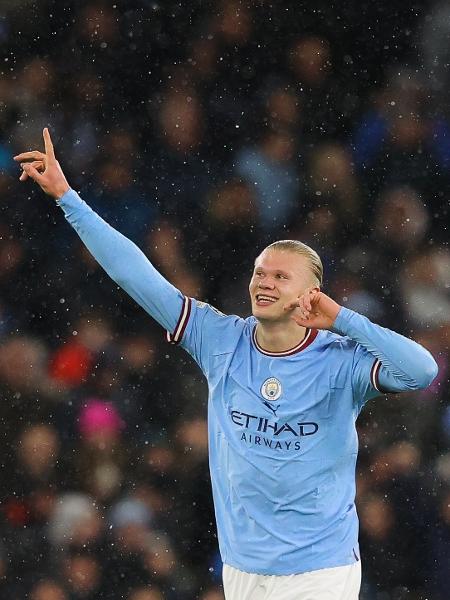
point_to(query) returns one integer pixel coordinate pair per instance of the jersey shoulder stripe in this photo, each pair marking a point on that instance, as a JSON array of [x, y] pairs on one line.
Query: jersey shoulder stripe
[[177, 335], [374, 375]]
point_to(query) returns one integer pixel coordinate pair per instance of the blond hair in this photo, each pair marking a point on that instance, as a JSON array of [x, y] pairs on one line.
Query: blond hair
[[315, 262]]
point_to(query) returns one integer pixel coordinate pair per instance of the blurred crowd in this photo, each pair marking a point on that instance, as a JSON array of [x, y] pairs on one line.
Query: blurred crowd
[[204, 131]]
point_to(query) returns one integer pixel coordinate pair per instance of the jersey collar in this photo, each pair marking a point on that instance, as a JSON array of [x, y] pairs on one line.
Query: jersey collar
[[310, 336]]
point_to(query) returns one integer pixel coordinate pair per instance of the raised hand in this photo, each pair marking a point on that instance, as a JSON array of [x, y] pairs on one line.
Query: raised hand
[[44, 169], [314, 309]]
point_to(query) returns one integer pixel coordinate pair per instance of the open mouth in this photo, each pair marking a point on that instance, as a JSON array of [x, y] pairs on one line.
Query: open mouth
[[265, 300]]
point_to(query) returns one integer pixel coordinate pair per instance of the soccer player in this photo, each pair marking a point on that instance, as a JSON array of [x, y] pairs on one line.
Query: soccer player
[[286, 386]]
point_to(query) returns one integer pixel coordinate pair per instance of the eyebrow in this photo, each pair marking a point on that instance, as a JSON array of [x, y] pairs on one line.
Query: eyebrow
[[276, 271]]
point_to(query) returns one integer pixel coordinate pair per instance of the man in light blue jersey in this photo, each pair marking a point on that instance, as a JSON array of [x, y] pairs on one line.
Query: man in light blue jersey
[[285, 388]]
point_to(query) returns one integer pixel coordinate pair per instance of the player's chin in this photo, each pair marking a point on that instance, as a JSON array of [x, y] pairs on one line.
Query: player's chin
[[269, 313]]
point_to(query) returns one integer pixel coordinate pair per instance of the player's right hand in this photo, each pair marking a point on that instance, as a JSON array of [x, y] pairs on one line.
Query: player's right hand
[[44, 169]]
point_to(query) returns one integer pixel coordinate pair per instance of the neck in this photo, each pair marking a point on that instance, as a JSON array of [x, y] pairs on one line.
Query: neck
[[279, 337]]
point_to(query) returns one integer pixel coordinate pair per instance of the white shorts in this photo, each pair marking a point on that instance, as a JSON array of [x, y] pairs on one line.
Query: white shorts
[[337, 583]]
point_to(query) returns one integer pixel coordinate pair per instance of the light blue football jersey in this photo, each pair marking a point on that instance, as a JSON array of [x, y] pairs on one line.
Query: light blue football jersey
[[282, 437], [282, 442]]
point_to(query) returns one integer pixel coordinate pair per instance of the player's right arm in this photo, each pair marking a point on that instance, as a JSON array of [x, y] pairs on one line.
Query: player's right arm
[[121, 258]]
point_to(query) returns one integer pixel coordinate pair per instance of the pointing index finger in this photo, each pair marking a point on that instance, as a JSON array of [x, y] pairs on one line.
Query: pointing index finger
[[49, 151]]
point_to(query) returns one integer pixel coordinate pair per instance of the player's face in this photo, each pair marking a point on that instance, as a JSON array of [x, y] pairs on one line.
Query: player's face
[[279, 277]]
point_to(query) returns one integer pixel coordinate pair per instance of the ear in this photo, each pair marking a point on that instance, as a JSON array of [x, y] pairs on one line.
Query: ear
[[309, 290]]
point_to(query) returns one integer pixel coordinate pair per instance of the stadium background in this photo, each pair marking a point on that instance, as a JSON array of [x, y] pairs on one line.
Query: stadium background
[[205, 130]]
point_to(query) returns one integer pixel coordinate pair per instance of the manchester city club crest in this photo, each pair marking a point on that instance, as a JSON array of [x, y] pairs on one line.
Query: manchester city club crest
[[271, 389]]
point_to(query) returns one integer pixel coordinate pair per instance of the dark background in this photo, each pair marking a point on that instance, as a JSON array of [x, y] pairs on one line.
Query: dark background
[[204, 131]]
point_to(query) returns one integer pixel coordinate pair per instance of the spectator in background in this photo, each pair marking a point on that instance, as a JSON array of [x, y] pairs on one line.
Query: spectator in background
[[22, 365], [38, 460], [269, 170], [74, 362], [394, 473], [96, 36], [35, 86], [232, 214], [401, 221], [439, 540], [331, 182], [130, 523], [436, 57], [166, 245], [82, 572], [13, 265], [137, 372], [164, 569], [326, 101], [76, 521], [212, 594], [354, 294], [47, 589], [35, 477], [157, 476], [101, 461], [182, 153], [5, 568], [425, 287], [116, 195], [202, 57], [398, 227], [146, 593], [27, 392], [193, 501], [86, 100], [283, 108], [384, 569], [399, 142], [232, 26]]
